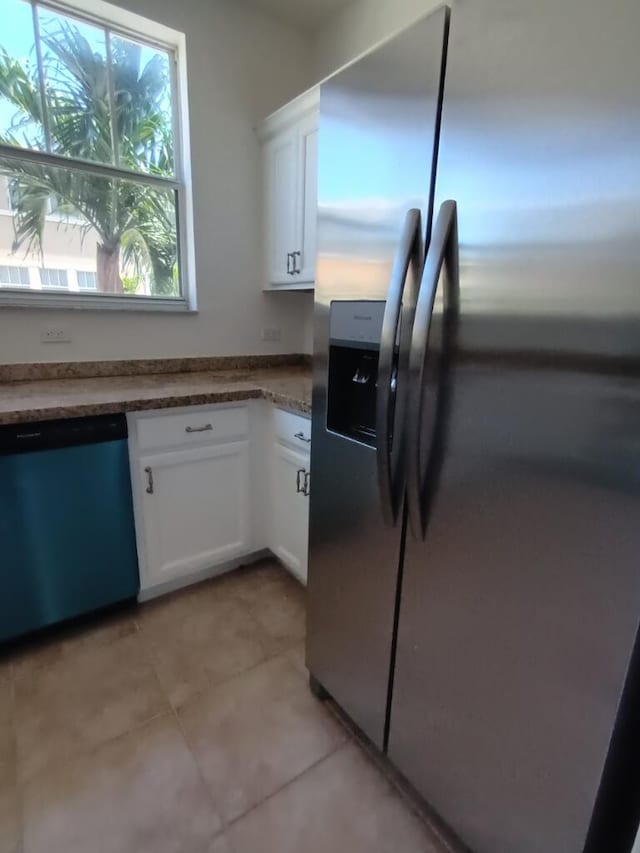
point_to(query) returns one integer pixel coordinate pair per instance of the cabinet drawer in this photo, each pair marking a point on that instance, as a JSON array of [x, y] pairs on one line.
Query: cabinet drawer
[[201, 426], [292, 429]]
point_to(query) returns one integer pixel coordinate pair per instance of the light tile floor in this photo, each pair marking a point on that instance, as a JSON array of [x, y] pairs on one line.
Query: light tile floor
[[187, 726]]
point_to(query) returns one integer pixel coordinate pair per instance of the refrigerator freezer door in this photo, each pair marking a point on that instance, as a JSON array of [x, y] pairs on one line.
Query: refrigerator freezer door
[[520, 606], [378, 121]]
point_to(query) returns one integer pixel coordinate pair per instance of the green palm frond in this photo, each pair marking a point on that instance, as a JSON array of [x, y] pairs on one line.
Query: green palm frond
[[20, 89], [139, 219]]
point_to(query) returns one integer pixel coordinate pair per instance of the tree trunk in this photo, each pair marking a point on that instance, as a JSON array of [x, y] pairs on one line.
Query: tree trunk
[[108, 274]]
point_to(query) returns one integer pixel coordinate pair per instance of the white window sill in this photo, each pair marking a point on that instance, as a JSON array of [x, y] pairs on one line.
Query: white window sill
[[37, 299]]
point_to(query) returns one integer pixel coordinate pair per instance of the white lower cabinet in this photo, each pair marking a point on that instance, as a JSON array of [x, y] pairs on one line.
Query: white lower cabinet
[[290, 509], [195, 509], [191, 475]]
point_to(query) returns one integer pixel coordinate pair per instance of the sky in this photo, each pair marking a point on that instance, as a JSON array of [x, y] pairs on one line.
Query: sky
[[17, 38]]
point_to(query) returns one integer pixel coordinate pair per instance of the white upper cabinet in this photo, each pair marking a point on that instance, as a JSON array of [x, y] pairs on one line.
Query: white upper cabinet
[[307, 198], [281, 175], [289, 138]]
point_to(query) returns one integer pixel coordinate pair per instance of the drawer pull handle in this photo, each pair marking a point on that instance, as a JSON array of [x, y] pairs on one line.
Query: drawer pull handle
[[298, 473], [149, 474], [205, 428], [302, 437]]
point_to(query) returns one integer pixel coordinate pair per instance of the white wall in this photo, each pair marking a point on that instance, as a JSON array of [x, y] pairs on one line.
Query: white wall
[[360, 25], [242, 65]]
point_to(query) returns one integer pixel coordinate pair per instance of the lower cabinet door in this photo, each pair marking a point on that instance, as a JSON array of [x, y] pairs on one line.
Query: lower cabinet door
[[290, 509], [195, 510]]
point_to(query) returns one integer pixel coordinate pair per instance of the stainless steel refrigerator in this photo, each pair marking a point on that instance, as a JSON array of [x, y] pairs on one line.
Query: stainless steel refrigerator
[[474, 572]]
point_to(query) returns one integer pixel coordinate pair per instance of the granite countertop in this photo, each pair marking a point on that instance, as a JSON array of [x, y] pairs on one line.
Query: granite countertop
[[287, 386]]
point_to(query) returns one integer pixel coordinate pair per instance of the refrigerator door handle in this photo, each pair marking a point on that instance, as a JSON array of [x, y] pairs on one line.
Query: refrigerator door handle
[[407, 248], [443, 250]]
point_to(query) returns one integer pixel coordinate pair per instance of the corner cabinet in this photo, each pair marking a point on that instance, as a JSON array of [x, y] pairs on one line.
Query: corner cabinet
[[289, 141], [290, 489], [215, 486]]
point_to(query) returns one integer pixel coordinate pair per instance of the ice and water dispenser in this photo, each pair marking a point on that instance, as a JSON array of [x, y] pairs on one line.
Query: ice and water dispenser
[[354, 347]]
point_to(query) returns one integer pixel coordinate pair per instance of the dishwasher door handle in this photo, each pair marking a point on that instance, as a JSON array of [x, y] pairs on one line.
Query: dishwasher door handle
[[148, 471]]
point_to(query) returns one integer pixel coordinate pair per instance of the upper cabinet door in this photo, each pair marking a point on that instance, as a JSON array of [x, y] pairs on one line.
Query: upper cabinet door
[[305, 261], [281, 168], [290, 139]]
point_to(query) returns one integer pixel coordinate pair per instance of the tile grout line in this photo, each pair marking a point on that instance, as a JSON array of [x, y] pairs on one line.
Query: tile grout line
[[204, 782], [22, 782], [279, 790], [393, 778], [262, 636], [149, 659], [176, 712], [283, 652], [93, 749]]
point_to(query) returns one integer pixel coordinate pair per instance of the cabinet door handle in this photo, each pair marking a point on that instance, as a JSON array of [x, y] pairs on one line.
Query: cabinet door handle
[[289, 259], [302, 437], [307, 483], [298, 473], [295, 256], [205, 428], [149, 474]]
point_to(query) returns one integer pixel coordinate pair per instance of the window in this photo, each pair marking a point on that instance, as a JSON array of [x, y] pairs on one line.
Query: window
[[14, 276], [54, 278], [86, 280], [89, 154]]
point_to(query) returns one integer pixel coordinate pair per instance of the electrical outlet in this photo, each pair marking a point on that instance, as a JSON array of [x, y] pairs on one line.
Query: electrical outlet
[[269, 334], [55, 335]]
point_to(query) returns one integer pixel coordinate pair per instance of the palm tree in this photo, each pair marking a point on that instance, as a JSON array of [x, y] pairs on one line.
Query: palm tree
[[134, 222]]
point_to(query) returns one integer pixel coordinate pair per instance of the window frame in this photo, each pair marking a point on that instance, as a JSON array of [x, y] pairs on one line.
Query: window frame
[[129, 25]]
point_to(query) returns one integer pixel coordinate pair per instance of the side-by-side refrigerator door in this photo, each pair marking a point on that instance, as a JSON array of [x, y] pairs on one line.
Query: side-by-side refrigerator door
[[377, 135], [521, 588]]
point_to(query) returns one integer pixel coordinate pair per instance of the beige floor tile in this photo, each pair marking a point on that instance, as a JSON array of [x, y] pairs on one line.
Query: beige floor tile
[[341, 805], [5, 667], [199, 639], [82, 700], [6, 725], [220, 844], [279, 606], [141, 792], [297, 657], [246, 582], [255, 733], [45, 652], [10, 821]]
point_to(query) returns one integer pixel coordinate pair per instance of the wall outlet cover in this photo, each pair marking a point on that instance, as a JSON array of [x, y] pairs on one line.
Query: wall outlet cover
[[55, 335], [271, 334]]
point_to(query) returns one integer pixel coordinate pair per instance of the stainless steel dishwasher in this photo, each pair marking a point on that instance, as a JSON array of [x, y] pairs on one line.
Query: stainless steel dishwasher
[[67, 535]]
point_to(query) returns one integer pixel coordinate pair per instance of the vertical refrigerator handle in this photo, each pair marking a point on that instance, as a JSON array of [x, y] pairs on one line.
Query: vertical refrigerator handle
[[443, 252], [408, 249]]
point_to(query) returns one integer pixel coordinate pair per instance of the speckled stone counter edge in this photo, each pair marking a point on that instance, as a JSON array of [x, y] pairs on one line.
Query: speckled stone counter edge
[[35, 371], [85, 410]]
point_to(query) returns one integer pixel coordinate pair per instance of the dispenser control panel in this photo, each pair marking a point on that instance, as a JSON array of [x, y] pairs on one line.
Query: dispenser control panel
[[356, 323]]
